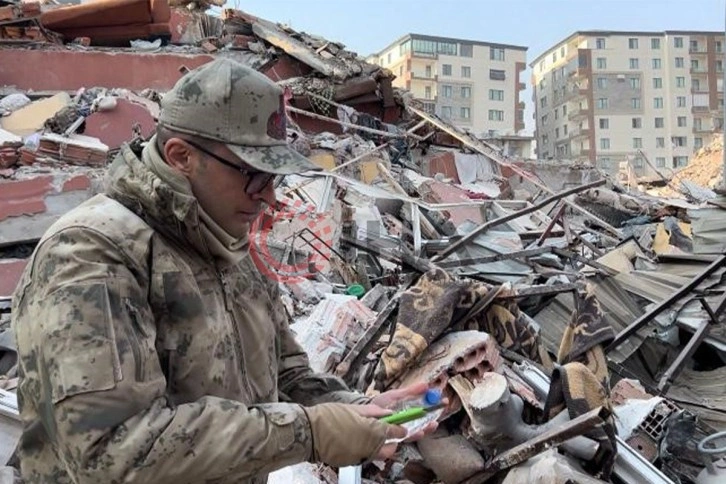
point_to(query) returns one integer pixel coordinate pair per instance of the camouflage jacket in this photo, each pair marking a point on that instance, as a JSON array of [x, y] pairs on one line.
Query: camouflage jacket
[[140, 361]]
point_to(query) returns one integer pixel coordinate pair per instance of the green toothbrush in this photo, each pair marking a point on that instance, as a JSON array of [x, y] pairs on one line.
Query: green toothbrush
[[410, 414]]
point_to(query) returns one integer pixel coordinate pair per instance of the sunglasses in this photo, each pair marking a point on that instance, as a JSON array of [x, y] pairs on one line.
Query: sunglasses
[[256, 180]]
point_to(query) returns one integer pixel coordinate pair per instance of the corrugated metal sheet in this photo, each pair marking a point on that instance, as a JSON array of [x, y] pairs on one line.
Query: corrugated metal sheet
[[704, 393], [709, 230]]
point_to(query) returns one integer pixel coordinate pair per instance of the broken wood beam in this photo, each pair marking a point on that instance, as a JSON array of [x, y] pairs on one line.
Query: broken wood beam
[[485, 259], [552, 438], [384, 134], [512, 216], [551, 225], [543, 290], [666, 303]]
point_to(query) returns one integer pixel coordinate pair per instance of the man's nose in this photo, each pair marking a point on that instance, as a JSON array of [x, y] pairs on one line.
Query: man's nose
[[267, 195]]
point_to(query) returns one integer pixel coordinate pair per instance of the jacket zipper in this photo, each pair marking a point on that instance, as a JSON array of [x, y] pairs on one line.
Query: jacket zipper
[[134, 341], [235, 330]]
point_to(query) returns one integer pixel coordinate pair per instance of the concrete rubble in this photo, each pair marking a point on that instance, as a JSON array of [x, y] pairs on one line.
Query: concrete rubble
[[574, 323]]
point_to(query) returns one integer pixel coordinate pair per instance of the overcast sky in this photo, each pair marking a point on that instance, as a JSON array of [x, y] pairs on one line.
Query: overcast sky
[[366, 26]]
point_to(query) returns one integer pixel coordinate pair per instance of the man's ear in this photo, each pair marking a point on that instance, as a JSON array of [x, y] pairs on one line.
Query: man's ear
[[180, 156]]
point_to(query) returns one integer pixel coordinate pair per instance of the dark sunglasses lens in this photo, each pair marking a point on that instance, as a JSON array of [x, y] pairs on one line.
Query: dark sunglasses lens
[[259, 182]]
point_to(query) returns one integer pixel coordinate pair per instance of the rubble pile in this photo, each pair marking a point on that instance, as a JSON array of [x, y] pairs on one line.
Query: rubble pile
[[574, 326]]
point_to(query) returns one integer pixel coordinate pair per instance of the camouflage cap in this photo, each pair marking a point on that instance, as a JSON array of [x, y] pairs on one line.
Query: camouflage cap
[[226, 101]]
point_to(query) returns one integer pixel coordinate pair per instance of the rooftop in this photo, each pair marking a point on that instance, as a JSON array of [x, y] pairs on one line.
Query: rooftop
[[450, 39]]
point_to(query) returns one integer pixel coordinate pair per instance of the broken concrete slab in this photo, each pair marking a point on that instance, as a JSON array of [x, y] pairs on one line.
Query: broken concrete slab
[[30, 119]]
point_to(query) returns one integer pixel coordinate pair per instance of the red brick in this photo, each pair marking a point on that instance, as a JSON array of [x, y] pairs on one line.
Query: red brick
[[10, 272], [114, 127], [78, 182], [24, 197], [71, 70]]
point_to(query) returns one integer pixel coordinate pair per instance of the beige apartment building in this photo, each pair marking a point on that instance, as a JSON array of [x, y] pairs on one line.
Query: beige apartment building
[[638, 101], [476, 85]]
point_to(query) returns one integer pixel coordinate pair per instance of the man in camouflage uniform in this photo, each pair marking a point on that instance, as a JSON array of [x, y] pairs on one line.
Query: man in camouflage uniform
[[151, 349]]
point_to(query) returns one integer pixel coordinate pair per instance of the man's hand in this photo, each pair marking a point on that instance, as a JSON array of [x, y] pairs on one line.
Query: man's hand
[[391, 398]]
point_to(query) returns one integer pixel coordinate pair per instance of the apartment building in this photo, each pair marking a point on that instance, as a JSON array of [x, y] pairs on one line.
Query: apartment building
[[639, 101], [475, 85]]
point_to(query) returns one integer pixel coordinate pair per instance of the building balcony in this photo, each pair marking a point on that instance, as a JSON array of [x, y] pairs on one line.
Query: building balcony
[[698, 71], [703, 130], [521, 105], [578, 114], [699, 90], [521, 86], [581, 133], [699, 109], [424, 77], [697, 51], [579, 72]]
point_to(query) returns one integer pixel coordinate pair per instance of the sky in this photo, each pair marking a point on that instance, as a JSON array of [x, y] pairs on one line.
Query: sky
[[367, 26]]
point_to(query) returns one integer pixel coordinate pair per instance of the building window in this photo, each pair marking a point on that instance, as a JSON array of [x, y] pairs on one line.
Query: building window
[[554, 57], [680, 64], [466, 50], [697, 124], [564, 110], [659, 123], [694, 65], [428, 72], [446, 112], [634, 63], [635, 103], [604, 143], [604, 123], [557, 112], [389, 58], [657, 83], [681, 101], [602, 82], [680, 81], [696, 84], [635, 82], [543, 102], [655, 43], [466, 92], [602, 63], [678, 42], [658, 103], [427, 92], [446, 69], [496, 54], [719, 46], [602, 103], [496, 115], [564, 130], [680, 161], [465, 113], [496, 74], [694, 46], [660, 162], [600, 43], [447, 91], [496, 95], [719, 66], [557, 133], [544, 119], [682, 123], [632, 43], [400, 71], [656, 64], [637, 143], [430, 107], [660, 142], [465, 72], [562, 52], [679, 140], [698, 143], [637, 123]]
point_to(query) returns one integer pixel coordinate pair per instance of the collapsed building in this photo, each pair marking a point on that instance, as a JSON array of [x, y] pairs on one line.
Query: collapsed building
[[574, 323]]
